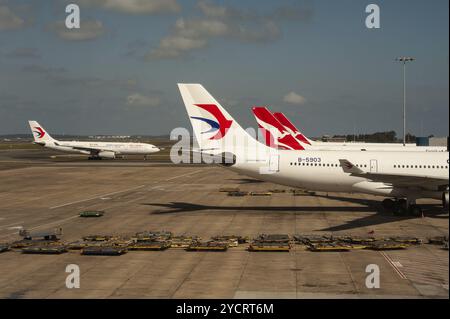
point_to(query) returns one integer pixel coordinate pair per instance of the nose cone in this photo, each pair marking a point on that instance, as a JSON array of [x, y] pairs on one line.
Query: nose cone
[[153, 149]]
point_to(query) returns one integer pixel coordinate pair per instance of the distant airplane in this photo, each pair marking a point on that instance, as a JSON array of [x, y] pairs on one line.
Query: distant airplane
[[403, 176], [96, 150], [278, 123]]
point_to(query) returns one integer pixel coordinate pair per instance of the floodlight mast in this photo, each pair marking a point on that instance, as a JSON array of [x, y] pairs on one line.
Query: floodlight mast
[[404, 60]]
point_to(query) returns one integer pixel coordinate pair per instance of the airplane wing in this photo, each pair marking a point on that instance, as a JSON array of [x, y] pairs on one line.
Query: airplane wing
[[92, 150], [397, 180]]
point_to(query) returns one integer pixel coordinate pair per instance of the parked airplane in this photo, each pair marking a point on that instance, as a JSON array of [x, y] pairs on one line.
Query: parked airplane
[[310, 144], [96, 150], [278, 123], [404, 176]]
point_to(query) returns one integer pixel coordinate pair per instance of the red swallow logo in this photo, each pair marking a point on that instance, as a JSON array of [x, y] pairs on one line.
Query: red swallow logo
[[224, 124], [40, 132], [348, 165]]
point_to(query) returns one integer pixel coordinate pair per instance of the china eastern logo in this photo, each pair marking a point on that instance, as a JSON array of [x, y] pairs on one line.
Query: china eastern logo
[[40, 132], [219, 124], [348, 165]]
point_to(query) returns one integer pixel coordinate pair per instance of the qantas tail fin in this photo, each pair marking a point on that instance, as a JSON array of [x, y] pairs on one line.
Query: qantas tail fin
[[292, 129], [269, 126], [39, 133], [215, 130]]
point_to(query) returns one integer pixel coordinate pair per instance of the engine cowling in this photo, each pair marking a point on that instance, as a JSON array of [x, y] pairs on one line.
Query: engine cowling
[[445, 199], [107, 154], [226, 159]]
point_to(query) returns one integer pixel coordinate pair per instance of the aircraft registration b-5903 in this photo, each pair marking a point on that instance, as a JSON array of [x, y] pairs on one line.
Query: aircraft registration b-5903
[[402, 176]]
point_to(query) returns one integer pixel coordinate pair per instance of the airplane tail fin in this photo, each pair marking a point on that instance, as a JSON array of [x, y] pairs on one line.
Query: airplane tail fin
[[215, 130], [269, 125], [292, 129], [349, 167], [39, 133]]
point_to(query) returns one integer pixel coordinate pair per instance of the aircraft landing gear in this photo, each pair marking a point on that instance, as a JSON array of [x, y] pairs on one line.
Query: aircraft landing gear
[[415, 210], [402, 207], [94, 158], [388, 204]]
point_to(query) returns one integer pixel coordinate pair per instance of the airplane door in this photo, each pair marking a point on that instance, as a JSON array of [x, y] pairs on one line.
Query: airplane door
[[373, 166], [274, 164]]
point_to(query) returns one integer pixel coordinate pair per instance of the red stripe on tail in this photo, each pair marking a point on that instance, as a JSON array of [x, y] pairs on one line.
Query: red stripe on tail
[[267, 122]]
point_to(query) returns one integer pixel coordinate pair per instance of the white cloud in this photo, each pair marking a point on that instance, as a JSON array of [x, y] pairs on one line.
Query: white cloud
[[135, 6], [196, 28], [213, 11], [294, 98], [175, 46], [24, 53], [217, 22], [9, 20], [43, 70], [137, 99], [88, 30]]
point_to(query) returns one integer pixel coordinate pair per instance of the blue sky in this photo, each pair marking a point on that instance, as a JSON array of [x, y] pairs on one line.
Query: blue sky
[[119, 75]]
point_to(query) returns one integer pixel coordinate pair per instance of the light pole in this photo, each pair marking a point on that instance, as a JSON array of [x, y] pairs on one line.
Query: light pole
[[404, 59]]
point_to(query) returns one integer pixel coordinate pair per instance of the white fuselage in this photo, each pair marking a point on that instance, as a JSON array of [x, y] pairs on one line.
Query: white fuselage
[[117, 148], [378, 147], [321, 171]]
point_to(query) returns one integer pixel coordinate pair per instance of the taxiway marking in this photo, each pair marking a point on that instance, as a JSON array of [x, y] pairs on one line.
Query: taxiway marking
[[394, 265], [121, 191], [98, 196], [182, 175], [60, 222], [6, 226]]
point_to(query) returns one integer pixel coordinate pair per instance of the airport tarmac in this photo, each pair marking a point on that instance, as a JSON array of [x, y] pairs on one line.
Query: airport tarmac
[[39, 193]]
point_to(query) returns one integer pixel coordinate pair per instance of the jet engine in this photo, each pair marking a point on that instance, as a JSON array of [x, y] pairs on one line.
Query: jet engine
[[107, 154], [226, 159], [445, 199]]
